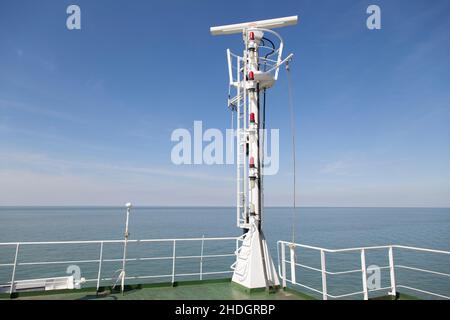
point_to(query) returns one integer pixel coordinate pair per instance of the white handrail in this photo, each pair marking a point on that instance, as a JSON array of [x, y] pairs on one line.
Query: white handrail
[[422, 270], [281, 263], [362, 250], [424, 291], [368, 248], [112, 241], [101, 260]]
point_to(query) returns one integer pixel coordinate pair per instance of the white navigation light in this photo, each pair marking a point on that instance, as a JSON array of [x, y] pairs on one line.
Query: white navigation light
[[128, 205], [265, 24]]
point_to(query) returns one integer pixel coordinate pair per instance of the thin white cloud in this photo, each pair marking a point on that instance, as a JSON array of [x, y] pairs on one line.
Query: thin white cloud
[[41, 162], [337, 167], [57, 137], [30, 188], [40, 110], [37, 179]]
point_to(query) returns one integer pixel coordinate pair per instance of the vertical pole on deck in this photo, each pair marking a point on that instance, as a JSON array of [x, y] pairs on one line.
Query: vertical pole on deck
[[201, 258], [125, 243], [283, 264], [292, 253], [392, 272], [324, 275], [13, 276], [100, 261], [364, 274], [173, 260]]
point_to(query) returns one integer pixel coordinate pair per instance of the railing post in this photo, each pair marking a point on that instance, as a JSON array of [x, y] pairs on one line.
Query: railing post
[[283, 264], [201, 258], [100, 261], [13, 276], [364, 274], [392, 272], [324, 275], [292, 253], [173, 260]]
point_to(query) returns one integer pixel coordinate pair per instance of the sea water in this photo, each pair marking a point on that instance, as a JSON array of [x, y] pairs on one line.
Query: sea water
[[323, 227]]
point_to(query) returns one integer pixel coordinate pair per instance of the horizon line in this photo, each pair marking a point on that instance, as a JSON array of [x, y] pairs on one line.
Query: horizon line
[[215, 206]]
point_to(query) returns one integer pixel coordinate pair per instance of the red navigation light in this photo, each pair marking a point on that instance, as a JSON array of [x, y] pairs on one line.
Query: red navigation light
[[251, 75], [252, 35], [252, 162], [252, 117]]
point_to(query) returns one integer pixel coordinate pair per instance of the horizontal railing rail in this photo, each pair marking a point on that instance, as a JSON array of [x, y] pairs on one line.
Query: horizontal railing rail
[[174, 257], [283, 261]]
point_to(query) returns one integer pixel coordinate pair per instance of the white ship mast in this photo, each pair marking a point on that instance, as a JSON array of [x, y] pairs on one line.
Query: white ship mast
[[250, 75]]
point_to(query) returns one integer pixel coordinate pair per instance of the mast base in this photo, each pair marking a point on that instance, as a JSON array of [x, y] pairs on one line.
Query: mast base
[[253, 257]]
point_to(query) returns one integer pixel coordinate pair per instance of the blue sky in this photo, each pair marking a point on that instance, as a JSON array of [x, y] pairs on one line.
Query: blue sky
[[86, 115]]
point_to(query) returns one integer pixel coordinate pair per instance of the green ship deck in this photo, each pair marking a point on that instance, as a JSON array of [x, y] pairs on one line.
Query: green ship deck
[[221, 289]]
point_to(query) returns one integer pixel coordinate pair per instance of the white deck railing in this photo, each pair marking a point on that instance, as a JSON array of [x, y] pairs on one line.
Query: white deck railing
[[294, 248], [287, 252], [172, 255]]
